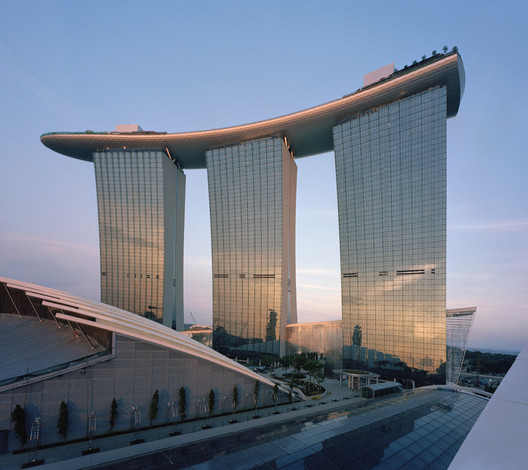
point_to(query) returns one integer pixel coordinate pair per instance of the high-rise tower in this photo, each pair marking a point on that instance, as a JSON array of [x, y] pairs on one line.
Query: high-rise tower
[[252, 189], [141, 202], [389, 139], [391, 186]]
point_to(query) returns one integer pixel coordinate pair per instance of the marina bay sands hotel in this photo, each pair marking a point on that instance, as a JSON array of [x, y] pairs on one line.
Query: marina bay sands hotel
[[389, 142]]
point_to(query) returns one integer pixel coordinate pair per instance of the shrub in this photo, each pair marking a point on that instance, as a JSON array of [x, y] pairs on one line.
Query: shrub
[[62, 423], [236, 398], [211, 401], [256, 391], [113, 414], [18, 417], [153, 408], [182, 404]]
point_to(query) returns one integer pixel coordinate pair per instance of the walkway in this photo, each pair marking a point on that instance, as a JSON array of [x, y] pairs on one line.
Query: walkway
[[118, 447]]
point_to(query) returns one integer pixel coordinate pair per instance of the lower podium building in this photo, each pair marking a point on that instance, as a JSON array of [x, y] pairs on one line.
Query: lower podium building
[[56, 347]]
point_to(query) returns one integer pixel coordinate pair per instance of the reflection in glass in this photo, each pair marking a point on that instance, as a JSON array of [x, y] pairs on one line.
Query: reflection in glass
[[140, 198], [324, 338], [252, 200], [391, 184]]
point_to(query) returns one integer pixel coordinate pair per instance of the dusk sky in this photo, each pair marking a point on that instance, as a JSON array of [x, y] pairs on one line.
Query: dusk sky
[[184, 66]]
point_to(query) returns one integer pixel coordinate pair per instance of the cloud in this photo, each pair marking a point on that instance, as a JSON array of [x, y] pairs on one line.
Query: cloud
[[318, 213], [318, 287], [198, 263], [68, 266], [318, 272], [26, 245], [512, 225], [468, 276]]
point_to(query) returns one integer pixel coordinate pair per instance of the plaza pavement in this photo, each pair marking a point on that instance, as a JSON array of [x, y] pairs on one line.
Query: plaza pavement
[[114, 448]]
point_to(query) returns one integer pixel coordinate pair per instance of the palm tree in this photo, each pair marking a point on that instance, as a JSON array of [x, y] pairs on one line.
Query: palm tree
[[313, 367]]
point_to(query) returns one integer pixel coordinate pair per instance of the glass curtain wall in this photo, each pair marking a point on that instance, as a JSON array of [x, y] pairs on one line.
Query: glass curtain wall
[[252, 189], [141, 197], [391, 183], [459, 322]]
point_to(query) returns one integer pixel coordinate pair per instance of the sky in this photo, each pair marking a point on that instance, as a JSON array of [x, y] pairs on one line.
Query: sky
[[179, 66]]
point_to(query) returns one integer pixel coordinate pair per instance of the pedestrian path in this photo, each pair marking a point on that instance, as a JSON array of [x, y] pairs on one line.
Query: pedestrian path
[[118, 446]]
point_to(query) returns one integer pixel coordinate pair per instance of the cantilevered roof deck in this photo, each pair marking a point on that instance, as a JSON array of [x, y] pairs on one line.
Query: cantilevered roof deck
[[308, 132]]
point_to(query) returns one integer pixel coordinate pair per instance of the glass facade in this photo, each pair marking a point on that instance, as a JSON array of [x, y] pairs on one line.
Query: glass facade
[[459, 322], [252, 189], [422, 430], [324, 338], [141, 197], [391, 183]]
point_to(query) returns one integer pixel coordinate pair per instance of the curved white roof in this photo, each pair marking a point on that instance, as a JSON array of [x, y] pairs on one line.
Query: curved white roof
[[106, 317], [308, 132], [498, 438]]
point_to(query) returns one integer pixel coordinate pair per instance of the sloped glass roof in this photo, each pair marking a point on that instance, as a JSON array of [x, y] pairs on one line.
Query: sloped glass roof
[[30, 348], [420, 429]]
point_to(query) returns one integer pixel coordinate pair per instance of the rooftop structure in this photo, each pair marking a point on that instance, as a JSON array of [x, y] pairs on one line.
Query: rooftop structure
[[458, 328], [59, 347], [498, 438], [308, 132]]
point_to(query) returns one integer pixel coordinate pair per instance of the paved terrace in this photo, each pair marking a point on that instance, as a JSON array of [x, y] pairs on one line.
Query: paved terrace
[[118, 447], [240, 445]]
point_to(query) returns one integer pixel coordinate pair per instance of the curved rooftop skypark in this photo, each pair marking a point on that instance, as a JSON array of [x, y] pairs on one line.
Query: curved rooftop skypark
[[389, 142], [308, 132]]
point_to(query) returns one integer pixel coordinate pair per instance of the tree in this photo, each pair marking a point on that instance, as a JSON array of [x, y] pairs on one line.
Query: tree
[[236, 397], [313, 367], [267, 361], [153, 408], [275, 395], [211, 403], [298, 361], [445, 49], [182, 404], [62, 423], [319, 376], [113, 414], [18, 417], [256, 391], [285, 362]]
